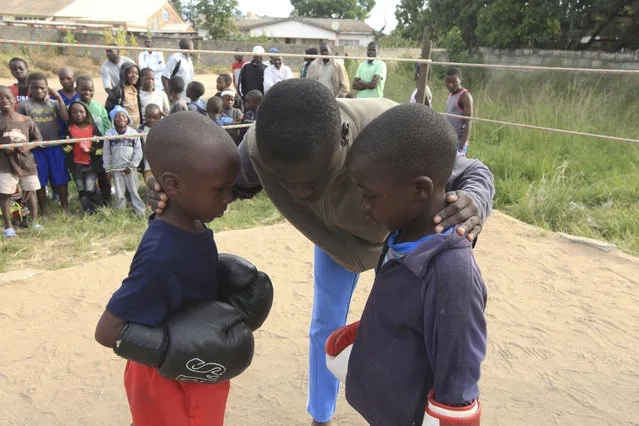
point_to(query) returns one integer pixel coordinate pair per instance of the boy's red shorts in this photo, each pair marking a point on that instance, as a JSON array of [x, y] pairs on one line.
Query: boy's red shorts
[[156, 401]]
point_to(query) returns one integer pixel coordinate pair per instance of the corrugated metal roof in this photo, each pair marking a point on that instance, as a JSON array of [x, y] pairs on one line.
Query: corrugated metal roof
[[37, 8], [342, 25], [135, 12]]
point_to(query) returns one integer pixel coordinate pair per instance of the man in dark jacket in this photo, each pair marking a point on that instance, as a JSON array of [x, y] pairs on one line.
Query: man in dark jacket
[[252, 73]]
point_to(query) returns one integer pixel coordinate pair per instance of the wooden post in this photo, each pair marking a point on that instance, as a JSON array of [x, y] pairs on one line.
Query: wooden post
[[424, 68]]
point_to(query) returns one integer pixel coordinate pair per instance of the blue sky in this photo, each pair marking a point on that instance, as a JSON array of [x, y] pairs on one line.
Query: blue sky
[[384, 11]]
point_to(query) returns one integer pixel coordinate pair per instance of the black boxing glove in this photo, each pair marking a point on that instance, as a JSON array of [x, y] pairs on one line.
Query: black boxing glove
[[204, 343], [245, 288]]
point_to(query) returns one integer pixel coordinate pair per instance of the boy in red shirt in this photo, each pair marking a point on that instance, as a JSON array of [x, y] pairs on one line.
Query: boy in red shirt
[[20, 71], [84, 172]]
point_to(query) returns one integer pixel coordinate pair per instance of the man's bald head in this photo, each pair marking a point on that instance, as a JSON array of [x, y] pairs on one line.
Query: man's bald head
[[67, 79]]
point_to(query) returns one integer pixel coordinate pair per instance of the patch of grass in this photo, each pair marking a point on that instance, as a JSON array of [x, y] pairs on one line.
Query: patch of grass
[[47, 61], [67, 241], [579, 185]]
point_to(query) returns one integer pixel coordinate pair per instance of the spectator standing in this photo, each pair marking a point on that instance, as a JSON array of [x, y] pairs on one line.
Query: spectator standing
[[180, 65], [224, 82], [237, 67], [330, 73], [459, 103], [154, 60], [195, 91], [110, 70], [45, 108], [252, 73], [178, 103], [371, 75], [127, 93], [150, 94], [276, 72], [307, 61], [20, 71]]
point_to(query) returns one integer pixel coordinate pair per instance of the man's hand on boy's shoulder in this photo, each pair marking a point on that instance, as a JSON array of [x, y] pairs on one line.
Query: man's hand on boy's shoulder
[[463, 212], [157, 199]]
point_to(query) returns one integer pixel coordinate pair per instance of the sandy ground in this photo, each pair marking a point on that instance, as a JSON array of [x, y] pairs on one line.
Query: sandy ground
[[562, 321]]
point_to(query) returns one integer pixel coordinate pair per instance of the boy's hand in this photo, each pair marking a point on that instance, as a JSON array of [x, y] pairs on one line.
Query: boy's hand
[[108, 176], [157, 198], [53, 94], [461, 212]]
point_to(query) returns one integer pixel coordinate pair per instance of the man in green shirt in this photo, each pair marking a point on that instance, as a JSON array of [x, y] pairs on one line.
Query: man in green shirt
[[371, 75]]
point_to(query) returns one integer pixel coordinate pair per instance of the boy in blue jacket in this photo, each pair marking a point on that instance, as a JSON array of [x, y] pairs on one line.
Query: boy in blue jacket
[[415, 355], [121, 159]]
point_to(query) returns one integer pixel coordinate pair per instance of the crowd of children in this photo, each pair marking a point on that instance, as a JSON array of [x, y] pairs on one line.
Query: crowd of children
[[32, 111], [138, 101]]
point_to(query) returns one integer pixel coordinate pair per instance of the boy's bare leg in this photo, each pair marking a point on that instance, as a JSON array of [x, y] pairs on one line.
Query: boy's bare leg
[[32, 203], [41, 195], [63, 193], [6, 209]]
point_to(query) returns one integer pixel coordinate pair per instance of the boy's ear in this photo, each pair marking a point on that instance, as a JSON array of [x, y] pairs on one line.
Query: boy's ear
[[171, 184], [423, 187]]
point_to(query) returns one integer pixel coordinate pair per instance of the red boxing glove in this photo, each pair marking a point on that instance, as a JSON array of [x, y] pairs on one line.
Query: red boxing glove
[[338, 349], [442, 415]]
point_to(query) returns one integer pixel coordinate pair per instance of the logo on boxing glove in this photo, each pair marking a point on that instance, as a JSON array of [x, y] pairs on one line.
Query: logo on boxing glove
[[209, 372]]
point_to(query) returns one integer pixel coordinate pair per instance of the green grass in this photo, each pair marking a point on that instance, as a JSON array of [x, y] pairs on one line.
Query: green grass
[[67, 241], [579, 185]]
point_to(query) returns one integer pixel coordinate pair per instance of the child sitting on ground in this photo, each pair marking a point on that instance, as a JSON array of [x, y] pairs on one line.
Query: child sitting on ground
[[100, 117], [127, 93], [84, 174], [20, 71], [253, 101], [194, 91], [176, 86], [152, 115], [17, 165], [460, 103], [214, 107], [121, 159], [46, 107], [149, 94], [224, 82], [177, 266], [417, 351]]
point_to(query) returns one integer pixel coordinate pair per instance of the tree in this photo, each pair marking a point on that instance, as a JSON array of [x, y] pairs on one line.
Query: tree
[[412, 17], [215, 16], [336, 9]]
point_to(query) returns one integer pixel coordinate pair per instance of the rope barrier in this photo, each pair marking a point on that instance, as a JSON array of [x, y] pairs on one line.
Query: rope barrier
[[39, 144], [302, 55], [241, 126], [547, 129]]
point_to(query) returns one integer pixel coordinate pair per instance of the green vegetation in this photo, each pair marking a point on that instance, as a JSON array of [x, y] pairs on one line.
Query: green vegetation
[[67, 241], [579, 185]]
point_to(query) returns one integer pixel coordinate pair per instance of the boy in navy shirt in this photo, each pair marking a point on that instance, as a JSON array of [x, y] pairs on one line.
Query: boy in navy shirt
[[417, 350], [176, 263]]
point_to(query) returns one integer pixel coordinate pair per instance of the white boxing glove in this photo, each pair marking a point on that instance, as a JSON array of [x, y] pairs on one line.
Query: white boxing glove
[[442, 415], [338, 349]]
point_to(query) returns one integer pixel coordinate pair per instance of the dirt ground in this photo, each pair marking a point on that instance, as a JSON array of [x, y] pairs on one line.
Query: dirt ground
[[562, 322]]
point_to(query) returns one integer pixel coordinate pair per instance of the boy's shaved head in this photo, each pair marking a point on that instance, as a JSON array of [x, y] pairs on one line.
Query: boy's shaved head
[[186, 141], [405, 142]]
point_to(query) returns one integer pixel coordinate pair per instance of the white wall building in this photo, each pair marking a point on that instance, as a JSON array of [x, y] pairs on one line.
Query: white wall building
[[295, 30]]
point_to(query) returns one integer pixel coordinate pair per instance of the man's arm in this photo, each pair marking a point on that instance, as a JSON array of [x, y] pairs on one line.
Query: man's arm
[[141, 61], [166, 74], [344, 86], [240, 83], [466, 102], [358, 84], [106, 79], [61, 108], [137, 153], [471, 191], [268, 79], [373, 83], [248, 183]]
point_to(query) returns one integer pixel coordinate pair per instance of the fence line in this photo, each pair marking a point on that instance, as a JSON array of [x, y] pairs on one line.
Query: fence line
[[302, 55], [240, 126]]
